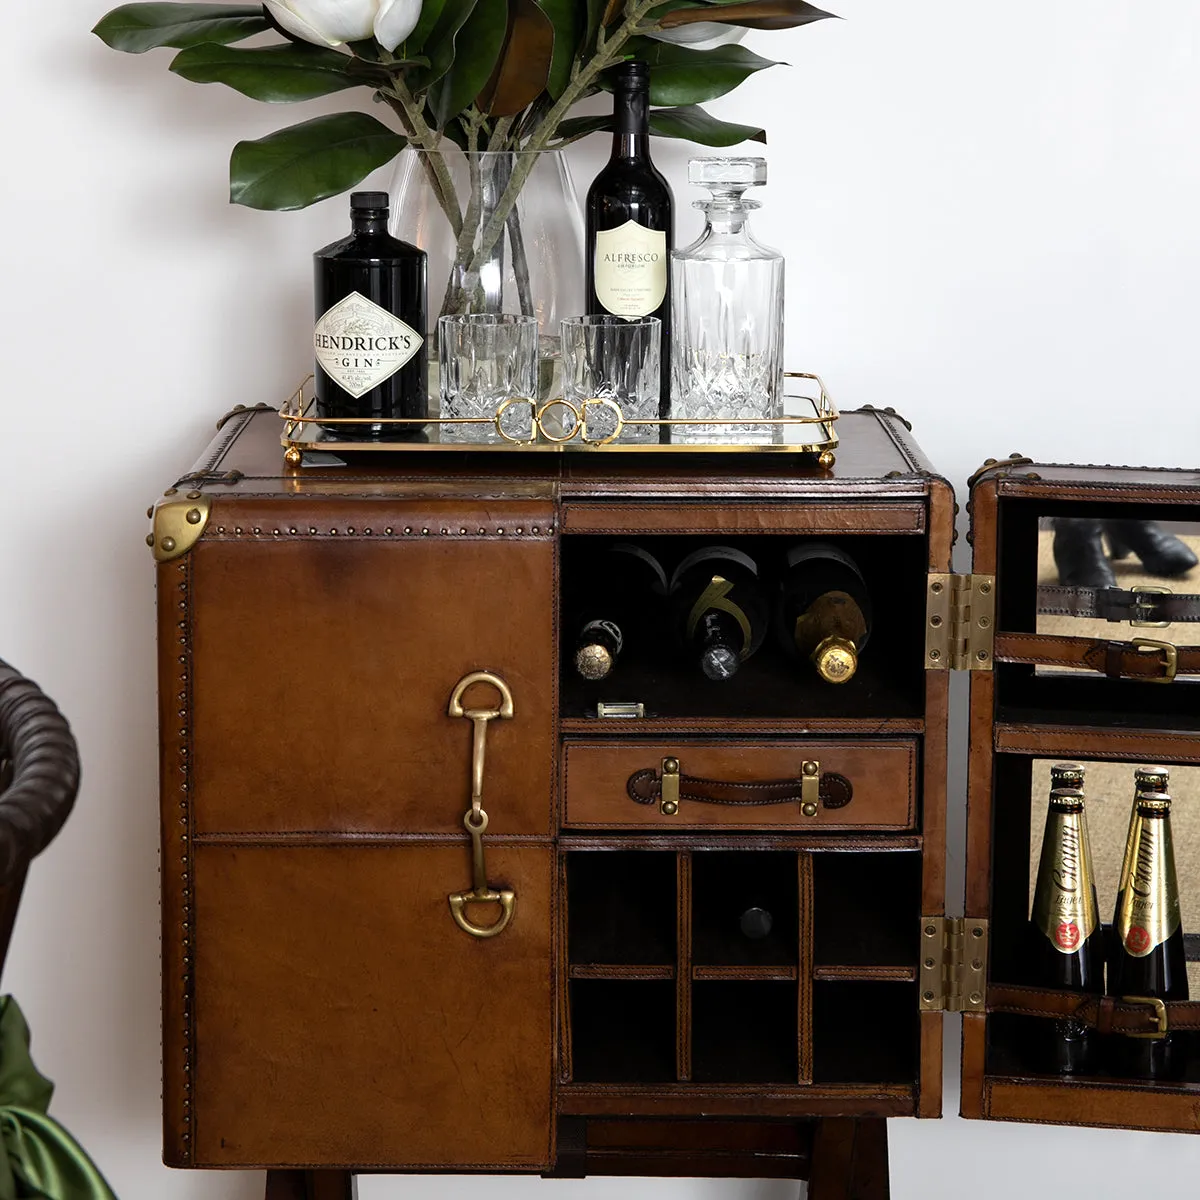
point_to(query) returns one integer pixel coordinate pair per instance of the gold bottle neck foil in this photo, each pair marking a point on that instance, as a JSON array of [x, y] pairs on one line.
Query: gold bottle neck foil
[[1064, 900], [836, 659], [1148, 912]]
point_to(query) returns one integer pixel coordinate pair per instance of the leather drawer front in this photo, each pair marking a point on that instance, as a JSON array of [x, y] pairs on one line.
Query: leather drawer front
[[881, 771]]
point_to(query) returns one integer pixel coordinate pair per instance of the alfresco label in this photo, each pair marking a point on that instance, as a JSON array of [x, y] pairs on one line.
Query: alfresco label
[[359, 344], [631, 269]]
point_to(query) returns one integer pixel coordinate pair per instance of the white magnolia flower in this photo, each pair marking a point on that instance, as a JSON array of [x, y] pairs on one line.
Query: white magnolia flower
[[702, 35], [334, 22]]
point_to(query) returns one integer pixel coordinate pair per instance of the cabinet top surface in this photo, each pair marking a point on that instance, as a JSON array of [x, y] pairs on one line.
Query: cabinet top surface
[[877, 457]]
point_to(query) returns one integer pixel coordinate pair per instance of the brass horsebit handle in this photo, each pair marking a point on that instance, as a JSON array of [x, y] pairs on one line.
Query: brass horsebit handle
[[475, 820]]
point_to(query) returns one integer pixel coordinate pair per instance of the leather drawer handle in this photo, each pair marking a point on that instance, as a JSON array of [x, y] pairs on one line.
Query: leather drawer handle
[[646, 787]]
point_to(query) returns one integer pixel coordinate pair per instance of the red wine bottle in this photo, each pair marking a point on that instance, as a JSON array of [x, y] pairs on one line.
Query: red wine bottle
[[718, 609], [630, 221], [622, 610], [369, 337]]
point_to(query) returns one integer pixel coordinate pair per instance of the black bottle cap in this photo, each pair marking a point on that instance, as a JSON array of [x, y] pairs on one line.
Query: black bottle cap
[[633, 75], [368, 202]]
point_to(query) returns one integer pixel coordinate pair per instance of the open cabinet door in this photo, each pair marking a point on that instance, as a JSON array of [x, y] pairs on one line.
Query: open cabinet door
[[1095, 661]]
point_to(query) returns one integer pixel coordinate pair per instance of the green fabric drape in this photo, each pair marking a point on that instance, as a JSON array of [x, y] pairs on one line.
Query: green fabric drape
[[39, 1159]]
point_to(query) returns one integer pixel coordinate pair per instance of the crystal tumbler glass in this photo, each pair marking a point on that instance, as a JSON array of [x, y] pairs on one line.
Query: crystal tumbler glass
[[486, 359], [615, 360]]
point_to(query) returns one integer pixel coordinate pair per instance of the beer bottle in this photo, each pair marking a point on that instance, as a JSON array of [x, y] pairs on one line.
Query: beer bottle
[[1068, 941], [1145, 779], [1148, 960]]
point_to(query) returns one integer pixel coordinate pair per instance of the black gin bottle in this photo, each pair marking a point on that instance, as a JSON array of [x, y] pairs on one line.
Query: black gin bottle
[[630, 221], [370, 346]]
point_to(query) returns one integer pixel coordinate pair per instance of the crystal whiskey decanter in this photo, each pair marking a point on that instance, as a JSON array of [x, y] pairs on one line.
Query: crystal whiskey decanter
[[727, 354]]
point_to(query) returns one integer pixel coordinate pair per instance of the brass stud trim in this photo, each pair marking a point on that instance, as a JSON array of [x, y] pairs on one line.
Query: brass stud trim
[[178, 525]]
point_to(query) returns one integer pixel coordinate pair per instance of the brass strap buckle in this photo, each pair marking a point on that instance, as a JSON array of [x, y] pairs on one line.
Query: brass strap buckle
[[475, 820], [1160, 1016], [1170, 655], [1141, 606]]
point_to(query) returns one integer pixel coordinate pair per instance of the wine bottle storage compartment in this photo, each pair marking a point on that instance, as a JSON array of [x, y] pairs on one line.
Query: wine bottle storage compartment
[[652, 669], [865, 1032], [741, 1009], [866, 908], [744, 1032], [745, 908], [621, 907], [622, 1031], [1027, 694]]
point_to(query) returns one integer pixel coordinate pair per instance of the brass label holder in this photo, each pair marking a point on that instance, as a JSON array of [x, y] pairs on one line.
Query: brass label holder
[[475, 820]]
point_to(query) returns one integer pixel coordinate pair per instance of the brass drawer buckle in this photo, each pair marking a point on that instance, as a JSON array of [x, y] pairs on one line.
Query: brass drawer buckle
[[1170, 655]]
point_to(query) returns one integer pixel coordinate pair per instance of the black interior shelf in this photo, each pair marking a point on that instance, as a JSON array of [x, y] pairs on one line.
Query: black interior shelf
[[866, 908], [865, 1032], [731, 892], [744, 1032], [621, 907], [622, 1031]]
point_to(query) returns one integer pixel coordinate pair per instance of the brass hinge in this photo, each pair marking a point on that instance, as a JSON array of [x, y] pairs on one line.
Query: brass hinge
[[953, 972], [960, 622]]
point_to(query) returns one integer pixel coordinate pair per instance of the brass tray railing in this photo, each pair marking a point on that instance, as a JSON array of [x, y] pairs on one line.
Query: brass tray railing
[[558, 425]]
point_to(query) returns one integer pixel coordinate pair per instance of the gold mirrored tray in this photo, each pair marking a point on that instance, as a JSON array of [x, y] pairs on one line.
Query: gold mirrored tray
[[809, 426]]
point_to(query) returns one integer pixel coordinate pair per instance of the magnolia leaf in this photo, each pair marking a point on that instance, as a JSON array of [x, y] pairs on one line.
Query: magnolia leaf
[[612, 10], [298, 166], [524, 63], [688, 123], [764, 14], [680, 75], [477, 50], [136, 28], [567, 17], [275, 74], [595, 16], [440, 43], [431, 12]]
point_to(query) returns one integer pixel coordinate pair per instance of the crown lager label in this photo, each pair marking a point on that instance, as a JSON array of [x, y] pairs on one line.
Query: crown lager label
[[359, 344], [1149, 908], [1064, 904]]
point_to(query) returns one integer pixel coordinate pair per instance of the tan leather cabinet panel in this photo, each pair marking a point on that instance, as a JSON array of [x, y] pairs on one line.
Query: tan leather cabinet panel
[[332, 984], [882, 773], [323, 667]]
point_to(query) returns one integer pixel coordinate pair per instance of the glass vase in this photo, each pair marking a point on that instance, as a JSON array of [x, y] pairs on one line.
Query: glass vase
[[504, 234]]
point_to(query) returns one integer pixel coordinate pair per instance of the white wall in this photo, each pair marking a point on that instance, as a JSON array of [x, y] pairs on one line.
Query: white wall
[[992, 219]]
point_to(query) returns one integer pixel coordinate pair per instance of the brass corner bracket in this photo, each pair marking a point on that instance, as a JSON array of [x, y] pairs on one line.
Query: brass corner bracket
[[178, 525]]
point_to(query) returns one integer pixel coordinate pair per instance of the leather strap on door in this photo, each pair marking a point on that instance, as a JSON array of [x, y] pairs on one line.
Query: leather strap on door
[[1143, 607], [1139, 1016], [645, 787], [1143, 658]]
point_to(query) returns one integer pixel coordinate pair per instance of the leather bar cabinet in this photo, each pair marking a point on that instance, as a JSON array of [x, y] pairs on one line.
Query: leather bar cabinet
[[425, 910]]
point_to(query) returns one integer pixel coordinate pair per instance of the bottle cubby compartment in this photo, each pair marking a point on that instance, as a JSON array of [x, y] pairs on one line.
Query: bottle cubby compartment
[[623, 1031], [666, 986], [867, 908], [889, 681], [622, 907], [745, 1032], [745, 908], [865, 1032]]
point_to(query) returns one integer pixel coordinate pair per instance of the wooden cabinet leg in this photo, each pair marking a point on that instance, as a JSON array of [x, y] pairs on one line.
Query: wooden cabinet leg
[[311, 1185], [849, 1160]]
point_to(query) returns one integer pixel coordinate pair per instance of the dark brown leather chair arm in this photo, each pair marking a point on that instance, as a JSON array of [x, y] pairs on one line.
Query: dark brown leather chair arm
[[39, 772]]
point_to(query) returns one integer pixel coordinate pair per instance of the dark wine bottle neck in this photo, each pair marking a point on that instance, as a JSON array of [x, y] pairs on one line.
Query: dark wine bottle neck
[[369, 222], [631, 125]]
